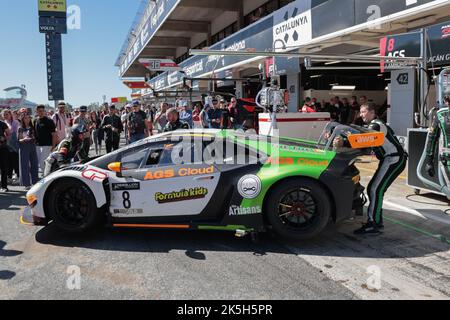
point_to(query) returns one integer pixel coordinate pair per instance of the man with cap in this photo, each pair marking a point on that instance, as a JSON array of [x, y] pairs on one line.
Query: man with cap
[[62, 121], [186, 113], [112, 126], [85, 121], [138, 126]]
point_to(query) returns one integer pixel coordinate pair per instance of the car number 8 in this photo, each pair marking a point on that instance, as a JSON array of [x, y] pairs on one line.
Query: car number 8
[[126, 200]]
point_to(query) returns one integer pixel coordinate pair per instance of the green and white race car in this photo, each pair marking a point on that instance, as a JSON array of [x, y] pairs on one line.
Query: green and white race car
[[210, 180]]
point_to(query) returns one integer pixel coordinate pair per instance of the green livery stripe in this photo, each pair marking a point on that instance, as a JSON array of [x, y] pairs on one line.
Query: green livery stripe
[[224, 228]]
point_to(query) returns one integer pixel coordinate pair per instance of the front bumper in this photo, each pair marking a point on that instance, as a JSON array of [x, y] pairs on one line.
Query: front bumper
[[30, 219]]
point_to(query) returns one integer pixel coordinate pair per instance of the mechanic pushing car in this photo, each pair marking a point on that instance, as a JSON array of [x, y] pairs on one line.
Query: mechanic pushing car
[[174, 123], [69, 149], [393, 159], [441, 126]]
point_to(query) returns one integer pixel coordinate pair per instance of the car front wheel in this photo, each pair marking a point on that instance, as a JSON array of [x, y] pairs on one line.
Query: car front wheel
[[72, 206]]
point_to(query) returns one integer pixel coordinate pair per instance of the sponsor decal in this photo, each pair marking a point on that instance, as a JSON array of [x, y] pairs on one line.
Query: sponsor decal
[[300, 162], [129, 211], [182, 195], [249, 186], [93, 174], [126, 186], [183, 172], [298, 149], [243, 211], [366, 140]]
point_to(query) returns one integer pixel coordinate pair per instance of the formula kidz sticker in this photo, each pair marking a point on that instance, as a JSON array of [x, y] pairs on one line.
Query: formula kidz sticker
[[182, 195]]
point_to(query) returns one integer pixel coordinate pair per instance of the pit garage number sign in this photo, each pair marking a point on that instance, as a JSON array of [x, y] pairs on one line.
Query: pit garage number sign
[[159, 64]]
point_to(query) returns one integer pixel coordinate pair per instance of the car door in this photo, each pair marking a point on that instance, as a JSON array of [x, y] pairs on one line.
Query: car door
[[155, 184]]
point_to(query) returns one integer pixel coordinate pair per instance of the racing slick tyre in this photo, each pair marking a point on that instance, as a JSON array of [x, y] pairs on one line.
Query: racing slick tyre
[[72, 206], [298, 209]]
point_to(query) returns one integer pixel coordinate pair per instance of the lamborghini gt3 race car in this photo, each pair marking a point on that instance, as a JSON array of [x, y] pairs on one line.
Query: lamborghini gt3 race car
[[210, 180]]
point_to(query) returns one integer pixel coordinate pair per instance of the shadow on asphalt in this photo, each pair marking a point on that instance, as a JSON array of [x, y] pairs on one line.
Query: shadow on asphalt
[[6, 274], [160, 241], [15, 198], [336, 241]]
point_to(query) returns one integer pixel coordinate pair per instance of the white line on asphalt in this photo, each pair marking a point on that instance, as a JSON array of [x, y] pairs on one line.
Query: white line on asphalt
[[425, 216]]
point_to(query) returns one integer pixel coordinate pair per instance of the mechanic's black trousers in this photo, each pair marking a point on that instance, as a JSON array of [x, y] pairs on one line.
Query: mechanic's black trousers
[[388, 171]]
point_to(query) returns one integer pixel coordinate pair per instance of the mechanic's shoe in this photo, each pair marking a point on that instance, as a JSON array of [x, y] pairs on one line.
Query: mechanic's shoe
[[4, 190], [368, 228]]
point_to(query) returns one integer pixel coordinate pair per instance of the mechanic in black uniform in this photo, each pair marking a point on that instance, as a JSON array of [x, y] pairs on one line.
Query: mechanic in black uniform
[[67, 150], [393, 159], [174, 122]]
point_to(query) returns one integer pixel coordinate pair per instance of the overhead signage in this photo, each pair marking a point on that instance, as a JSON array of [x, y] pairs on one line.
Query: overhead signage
[[53, 47], [408, 45], [160, 64], [136, 84], [292, 25], [52, 8], [53, 25]]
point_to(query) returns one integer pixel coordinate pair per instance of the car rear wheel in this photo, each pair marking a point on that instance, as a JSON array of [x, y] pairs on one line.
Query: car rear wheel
[[72, 206], [298, 209]]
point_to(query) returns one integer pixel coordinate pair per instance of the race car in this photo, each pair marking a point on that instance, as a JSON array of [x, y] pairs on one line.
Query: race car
[[210, 180]]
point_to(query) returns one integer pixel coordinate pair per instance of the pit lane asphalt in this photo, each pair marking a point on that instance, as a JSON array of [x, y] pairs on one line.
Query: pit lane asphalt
[[411, 258]]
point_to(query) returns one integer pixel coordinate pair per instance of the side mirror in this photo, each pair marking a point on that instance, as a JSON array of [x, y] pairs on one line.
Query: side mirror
[[116, 167]]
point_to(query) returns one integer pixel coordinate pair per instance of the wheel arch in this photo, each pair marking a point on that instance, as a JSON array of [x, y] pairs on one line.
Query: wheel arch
[[281, 181], [101, 201]]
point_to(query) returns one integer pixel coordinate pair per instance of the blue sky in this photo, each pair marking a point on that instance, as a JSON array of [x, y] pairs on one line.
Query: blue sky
[[89, 54]]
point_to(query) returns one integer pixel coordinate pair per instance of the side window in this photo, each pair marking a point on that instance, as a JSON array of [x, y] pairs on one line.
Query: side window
[[133, 159]]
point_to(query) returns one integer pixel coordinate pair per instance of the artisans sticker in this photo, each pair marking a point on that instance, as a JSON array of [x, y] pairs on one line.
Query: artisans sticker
[[249, 186], [182, 195], [243, 211], [126, 186]]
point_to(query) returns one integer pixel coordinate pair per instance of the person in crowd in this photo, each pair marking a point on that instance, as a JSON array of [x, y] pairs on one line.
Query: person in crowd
[[13, 146], [226, 115], [62, 121], [113, 127], [4, 163], [316, 105], [174, 123], [46, 138], [307, 107], [76, 114], [29, 165], [161, 118], [215, 115], [186, 114], [204, 116], [234, 113], [137, 123], [344, 112], [124, 119], [196, 116], [96, 128], [84, 120], [150, 119]]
